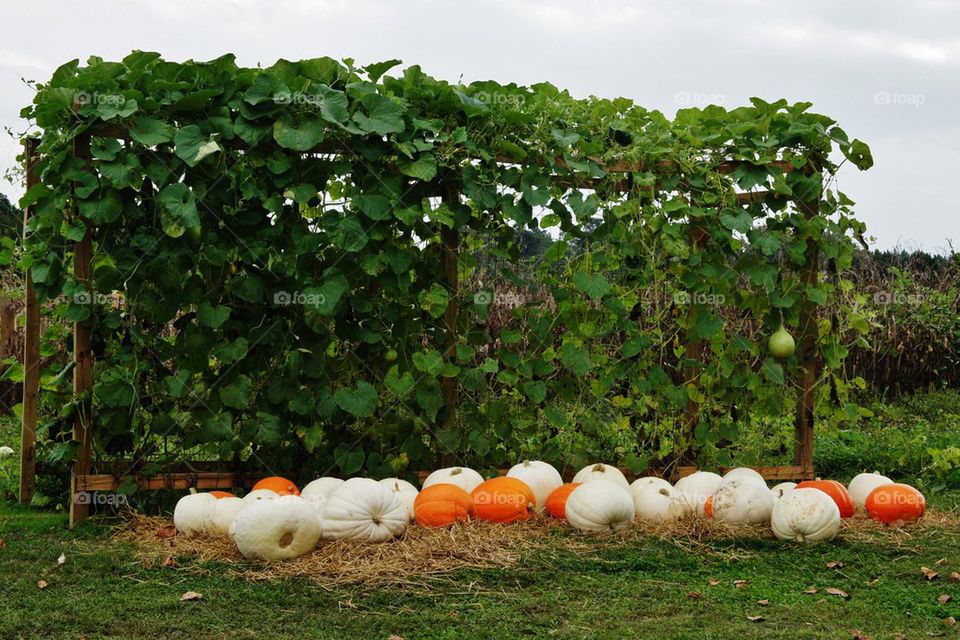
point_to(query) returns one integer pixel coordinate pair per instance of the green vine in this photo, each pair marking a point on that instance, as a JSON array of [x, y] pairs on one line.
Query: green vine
[[275, 237]]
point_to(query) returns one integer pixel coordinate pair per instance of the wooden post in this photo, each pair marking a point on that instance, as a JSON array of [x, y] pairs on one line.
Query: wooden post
[[83, 372], [807, 351], [450, 241], [692, 351], [31, 355]]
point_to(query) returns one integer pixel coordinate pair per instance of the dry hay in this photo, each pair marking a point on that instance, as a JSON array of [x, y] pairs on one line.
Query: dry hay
[[419, 555], [422, 555]]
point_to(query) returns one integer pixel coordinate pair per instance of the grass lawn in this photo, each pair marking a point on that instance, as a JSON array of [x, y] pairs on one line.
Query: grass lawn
[[640, 588]]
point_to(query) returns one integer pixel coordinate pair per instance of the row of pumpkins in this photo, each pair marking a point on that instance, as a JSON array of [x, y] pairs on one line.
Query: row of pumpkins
[[276, 521]]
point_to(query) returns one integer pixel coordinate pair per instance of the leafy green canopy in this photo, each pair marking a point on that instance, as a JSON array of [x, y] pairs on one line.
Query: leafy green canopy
[[275, 235]]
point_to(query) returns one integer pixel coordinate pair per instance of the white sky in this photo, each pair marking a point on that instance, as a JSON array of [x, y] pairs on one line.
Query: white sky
[[664, 54]]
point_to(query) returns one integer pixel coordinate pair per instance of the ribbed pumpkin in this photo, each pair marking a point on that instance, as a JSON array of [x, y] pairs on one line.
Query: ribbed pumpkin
[[282, 486], [835, 490], [504, 499], [896, 504], [557, 500], [708, 507], [440, 505]]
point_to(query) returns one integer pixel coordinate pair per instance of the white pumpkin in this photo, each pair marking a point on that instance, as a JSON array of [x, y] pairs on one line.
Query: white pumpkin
[[861, 486], [743, 472], [261, 494], [275, 530], [805, 515], [658, 503], [364, 509], [695, 488], [318, 490], [643, 483], [541, 477], [219, 515], [601, 471], [600, 505], [743, 499], [188, 514], [465, 478], [405, 492], [783, 489]]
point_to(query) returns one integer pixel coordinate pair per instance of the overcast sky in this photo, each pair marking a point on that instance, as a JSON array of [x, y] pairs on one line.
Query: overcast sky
[[888, 71]]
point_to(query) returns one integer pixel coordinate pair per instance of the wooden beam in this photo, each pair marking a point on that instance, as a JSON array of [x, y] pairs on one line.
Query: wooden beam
[[450, 248], [200, 480], [807, 349], [83, 356], [31, 354], [616, 166]]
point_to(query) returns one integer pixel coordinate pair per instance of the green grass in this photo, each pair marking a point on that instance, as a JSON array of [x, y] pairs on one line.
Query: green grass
[[637, 589]]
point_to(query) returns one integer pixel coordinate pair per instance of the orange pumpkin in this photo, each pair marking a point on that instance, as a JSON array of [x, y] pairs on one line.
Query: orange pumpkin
[[504, 499], [557, 500], [442, 504], [281, 485], [222, 494], [895, 504], [708, 507], [835, 490]]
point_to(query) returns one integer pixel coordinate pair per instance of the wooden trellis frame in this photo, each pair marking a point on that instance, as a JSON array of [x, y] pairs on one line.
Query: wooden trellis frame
[[82, 480]]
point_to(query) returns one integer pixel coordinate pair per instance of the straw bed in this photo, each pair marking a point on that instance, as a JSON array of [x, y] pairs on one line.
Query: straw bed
[[421, 555]]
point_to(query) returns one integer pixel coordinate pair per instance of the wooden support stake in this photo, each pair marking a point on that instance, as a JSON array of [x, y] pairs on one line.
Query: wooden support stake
[[450, 239], [83, 372], [807, 352], [31, 355], [692, 351]]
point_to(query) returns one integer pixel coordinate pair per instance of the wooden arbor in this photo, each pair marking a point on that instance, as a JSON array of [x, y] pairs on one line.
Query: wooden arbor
[[82, 480]]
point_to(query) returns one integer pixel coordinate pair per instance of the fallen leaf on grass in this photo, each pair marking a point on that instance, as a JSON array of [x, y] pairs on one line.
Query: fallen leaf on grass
[[951, 621], [870, 583], [763, 602], [941, 562], [811, 590], [146, 563], [953, 576], [929, 573], [169, 561], [944, 599], [834, 564], [167, 531], [62, 559], [755, 618], [191, 595], [740, 584], [837, 592], [41, 584], [714, 582], [859, 635], [693, 594], [395, 637], [3, 544]]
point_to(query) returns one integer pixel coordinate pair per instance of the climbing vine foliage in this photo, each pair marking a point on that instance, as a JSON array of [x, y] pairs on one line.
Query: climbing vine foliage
[[268, 275]]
